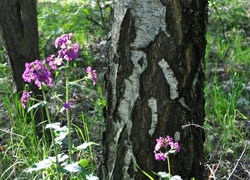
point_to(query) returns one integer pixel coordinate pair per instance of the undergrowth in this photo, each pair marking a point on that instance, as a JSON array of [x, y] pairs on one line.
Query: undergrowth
[[227, 93]]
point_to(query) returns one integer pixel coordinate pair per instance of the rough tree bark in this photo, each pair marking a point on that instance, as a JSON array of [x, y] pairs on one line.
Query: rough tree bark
[[155, 83], [18, 25], [19, 33]]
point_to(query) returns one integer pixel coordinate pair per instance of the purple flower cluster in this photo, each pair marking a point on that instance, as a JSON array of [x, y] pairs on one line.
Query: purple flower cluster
[[161, 146], [91, 74], [25, 97], [68, 50], [38, 72]]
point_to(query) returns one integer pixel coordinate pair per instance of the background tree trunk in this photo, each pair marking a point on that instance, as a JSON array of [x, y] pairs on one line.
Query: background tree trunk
[[155, 87], [19, 33], [18, 24]]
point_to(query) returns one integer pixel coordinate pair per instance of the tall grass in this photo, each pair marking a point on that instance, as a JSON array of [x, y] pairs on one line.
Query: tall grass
[[22, 153], [227, 71]]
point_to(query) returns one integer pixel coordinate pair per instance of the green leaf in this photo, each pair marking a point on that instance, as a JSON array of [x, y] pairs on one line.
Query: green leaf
[[92, 177], [61, 157], [172, 151], [176, 178], [61, 136], [73, 168], [150, 177], [39, 104], [75, 178], [55, 126], [85, 145], [164, 175], [57, 73], [45, 163], [83, 162]]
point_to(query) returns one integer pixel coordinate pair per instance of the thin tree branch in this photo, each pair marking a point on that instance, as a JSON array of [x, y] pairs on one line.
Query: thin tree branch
[[98, 24], [100, 8], [48, 40], [222, 23]]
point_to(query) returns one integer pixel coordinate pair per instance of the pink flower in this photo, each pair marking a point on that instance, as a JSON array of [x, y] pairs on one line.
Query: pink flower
[[159, 143], [25, 97], [68, 50], [38, 72], [160, 156], [91, 74], [71, 53], [161, 150], [54, 61], [175, 146], [63, 40]]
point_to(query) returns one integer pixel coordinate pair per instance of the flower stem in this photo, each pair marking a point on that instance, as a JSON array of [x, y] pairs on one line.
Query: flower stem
[[67, 112], [169, 169], [51, 132]]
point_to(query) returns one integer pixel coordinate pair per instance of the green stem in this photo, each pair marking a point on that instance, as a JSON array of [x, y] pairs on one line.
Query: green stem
[[67, 112], [169, 171], [51, 132]]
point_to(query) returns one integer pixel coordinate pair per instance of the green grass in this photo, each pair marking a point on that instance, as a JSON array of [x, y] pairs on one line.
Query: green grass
[[227, 55], [22, 149], [83, 18]]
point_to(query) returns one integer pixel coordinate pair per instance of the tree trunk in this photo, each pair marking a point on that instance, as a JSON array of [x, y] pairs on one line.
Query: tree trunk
[[18, 23], [19, 32], [155, 87]]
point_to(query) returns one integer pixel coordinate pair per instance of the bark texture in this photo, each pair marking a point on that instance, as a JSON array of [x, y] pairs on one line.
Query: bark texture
[[155, 84], [19, 33], [18, 28]]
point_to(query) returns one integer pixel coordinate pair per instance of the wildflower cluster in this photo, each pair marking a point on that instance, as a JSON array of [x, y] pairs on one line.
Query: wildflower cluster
[[40, 71], [161, 148]]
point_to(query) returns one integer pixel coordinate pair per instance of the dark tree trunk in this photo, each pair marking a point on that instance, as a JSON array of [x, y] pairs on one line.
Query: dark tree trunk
[[19, 32], [155, 87], [18, 23]]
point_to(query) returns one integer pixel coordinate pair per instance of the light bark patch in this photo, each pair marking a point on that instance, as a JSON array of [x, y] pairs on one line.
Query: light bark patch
[[152, 103], [148, 24], [170, 77]]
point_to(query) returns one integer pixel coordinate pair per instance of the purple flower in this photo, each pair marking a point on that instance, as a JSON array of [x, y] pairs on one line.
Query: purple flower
[[160, 156], [63, 40], [175, 146], [68, 50], [91, 74], [38, 72], [61, 53], [28, 74], [71, 54], [161, 147], [42, 77], [159, 143], [67, 105], [54, 61], [25, 97]]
